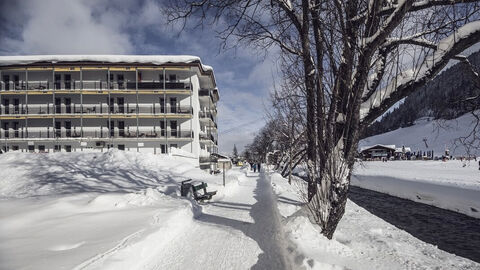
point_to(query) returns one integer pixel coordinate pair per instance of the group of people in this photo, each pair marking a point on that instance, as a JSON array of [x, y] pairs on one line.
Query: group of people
[[255, 166]]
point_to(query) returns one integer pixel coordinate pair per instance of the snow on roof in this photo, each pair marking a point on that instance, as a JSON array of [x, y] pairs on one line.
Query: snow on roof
[[144, 59], [392, 146], [400, 150]]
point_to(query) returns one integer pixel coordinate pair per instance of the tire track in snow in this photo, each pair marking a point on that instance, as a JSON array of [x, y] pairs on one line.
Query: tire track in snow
[[99, 257]]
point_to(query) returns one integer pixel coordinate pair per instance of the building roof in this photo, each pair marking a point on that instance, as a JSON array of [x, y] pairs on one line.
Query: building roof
[[391, 147], [142, 59], [400, 149]]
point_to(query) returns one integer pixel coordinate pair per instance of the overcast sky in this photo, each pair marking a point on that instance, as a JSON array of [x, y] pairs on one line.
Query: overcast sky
[[244, 77]]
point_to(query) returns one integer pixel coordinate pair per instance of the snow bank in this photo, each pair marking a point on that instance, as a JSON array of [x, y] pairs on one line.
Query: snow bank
[[362, 240], [447, 185], [89, 210]]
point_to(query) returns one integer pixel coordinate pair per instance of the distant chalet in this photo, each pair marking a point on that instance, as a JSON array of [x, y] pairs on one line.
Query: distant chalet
[[380, 151], [144, 103]]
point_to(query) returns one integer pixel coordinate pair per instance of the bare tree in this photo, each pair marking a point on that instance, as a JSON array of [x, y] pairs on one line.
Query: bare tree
[[353, 58]]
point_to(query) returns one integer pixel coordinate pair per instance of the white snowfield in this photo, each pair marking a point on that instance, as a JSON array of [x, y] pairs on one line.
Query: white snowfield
[[447, 185], [438, 135], [122, 210]]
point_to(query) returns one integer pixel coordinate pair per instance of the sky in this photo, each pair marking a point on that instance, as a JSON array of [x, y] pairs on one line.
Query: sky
[[244, 76]]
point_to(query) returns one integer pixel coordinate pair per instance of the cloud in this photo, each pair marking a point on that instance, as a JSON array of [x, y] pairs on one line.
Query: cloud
[[65, 27]]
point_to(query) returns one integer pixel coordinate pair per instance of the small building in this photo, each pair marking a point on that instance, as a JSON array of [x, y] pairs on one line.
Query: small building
[[377, 151], [403, 153], [223, 161]]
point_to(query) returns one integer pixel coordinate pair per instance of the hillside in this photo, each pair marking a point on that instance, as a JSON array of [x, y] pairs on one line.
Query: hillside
[[442, 98], [436, 134]]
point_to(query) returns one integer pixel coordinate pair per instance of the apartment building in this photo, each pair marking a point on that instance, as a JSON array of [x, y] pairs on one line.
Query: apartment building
[[96, 102]]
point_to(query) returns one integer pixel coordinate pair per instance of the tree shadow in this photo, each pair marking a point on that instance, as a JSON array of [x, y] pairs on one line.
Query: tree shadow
[[78, 175], [450, 231]]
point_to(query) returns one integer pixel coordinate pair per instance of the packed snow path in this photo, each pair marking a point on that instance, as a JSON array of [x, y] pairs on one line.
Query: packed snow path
[[453, 232], [240, 231]]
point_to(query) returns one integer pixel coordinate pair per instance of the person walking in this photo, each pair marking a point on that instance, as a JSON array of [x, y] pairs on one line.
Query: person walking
[[258, 166], [254, 167]]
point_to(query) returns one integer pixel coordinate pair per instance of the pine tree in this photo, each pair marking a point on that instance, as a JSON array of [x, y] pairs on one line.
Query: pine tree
[[235, 152]]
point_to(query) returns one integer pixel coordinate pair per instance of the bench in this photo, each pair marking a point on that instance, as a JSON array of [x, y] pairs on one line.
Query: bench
[[187, 186]]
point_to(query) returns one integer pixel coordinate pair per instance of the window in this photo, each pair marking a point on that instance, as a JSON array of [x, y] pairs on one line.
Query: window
[[173, 145], [68, 81], [163, 149], [16, 81], [173, 105], [6, 103], [172, 77], [121, 102], [16, 106], [173, 128], [162, 105], [121, 147], [121, 129], [31, 148], [6, 129], [68, 128], [57, 148], [6, 81], [58, 105], [41, 148], [15, 147], [120, 80], [58, 129], [112, 128], [68, 105], [68, 148], [162, 128], [58, 80], [160, 77], [15, 130]]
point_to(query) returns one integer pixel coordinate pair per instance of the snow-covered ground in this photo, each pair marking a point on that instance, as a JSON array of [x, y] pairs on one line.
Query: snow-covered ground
[[122, 210], [447, 185], [362, 240], [438, 135], [83, 210]]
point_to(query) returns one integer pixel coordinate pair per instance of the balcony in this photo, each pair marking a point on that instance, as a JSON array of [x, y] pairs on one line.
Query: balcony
[[212, 93], [98, 109], [94, 85], [94, 133]]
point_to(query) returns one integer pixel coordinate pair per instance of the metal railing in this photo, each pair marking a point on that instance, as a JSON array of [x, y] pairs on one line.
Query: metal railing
[[95, 85], [76, 132], [101, 108]]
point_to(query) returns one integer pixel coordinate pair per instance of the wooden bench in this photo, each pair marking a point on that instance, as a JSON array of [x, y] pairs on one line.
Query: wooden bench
[[187, 186]]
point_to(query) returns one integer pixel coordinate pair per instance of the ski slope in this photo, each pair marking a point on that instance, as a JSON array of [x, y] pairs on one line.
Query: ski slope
[[428, 135]]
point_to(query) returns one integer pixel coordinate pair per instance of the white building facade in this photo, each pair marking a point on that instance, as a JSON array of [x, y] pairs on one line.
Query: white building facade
[[94, 103]]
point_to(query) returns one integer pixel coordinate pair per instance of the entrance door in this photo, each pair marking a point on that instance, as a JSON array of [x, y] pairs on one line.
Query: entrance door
[[68, 81], [68, 105], [58, 105], [162, 105]]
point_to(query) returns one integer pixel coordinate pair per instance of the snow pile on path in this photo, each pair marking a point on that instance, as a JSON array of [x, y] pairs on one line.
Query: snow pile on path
[[447, 185], [438, 135], [362, 240], [67, 210]]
